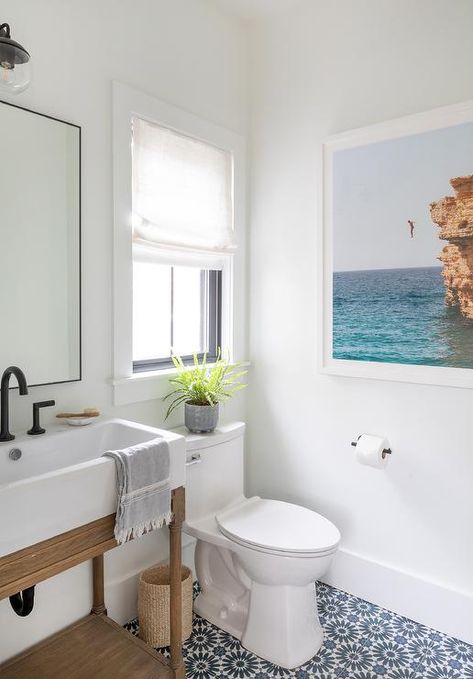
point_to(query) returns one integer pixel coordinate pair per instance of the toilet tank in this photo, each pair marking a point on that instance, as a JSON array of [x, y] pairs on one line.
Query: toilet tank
[[214, 470]]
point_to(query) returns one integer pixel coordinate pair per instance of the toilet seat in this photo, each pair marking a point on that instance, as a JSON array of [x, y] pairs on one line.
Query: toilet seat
[[279, 528]]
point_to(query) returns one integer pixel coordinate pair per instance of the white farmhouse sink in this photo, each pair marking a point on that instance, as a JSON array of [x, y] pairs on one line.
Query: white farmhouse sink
[[61, 481]]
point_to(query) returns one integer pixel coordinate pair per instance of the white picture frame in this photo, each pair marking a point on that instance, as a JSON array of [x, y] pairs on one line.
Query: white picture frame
[[435, 119]]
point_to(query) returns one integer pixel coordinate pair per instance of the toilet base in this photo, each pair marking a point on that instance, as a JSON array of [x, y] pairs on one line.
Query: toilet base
[[230, 621], [277, 623], [223, 599], [283, 625]]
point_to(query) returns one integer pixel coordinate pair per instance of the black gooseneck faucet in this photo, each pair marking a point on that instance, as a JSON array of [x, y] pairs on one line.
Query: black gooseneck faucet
[[4, 390], [21, 602]]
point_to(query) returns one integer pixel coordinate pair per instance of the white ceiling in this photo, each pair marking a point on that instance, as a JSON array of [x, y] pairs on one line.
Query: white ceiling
[[252, 9]]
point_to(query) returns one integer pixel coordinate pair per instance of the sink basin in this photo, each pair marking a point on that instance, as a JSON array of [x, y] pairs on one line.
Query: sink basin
[[61, 481]]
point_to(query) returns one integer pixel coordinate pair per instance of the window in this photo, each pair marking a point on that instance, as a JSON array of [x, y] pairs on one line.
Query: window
[[175, 308], [182, 219], [179, 206]]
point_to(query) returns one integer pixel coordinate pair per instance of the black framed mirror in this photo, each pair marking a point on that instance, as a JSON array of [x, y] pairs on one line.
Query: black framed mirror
[[40, 245]]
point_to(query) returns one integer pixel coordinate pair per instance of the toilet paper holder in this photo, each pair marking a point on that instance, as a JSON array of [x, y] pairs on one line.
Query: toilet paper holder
[[386, 451]]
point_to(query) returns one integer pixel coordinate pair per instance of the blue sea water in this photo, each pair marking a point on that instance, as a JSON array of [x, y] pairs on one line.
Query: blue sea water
[[398, 316]]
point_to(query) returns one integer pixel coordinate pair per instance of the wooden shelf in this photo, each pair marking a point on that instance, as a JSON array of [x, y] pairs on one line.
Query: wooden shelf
[[95, 646]]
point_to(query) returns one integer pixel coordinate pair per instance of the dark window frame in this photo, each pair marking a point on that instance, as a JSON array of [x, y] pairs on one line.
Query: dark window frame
[[213, 330]]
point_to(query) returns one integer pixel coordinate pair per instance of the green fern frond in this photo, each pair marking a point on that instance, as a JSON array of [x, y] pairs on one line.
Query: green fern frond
[[201, 384]]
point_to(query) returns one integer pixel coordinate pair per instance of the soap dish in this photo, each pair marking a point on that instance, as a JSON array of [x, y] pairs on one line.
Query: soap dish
[[79, 421]]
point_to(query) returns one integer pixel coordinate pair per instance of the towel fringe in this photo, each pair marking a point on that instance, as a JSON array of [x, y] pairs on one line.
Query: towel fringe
[[141, 529]]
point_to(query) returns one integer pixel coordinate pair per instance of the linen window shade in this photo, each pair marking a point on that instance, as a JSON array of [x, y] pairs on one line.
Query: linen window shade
[[182, 190]]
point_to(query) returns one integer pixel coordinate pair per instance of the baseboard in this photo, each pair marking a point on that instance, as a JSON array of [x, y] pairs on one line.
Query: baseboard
[[432, 604]]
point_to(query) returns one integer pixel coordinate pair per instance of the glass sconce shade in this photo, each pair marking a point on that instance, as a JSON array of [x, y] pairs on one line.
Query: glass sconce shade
[[15, 63]]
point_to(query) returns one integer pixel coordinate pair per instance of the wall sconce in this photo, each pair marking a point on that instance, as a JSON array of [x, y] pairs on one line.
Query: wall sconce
[[15, 63]]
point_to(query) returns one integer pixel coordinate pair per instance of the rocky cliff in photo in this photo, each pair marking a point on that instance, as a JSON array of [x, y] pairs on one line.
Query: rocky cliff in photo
[[454, 216]]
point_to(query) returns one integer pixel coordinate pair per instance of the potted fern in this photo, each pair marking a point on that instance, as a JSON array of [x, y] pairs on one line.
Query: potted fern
[[201, 388]]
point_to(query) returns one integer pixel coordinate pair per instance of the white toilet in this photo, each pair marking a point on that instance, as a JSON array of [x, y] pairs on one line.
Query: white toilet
[[256, 560]]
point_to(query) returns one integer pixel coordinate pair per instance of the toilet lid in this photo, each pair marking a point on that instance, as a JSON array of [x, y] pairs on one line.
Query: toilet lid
[[278, 526]]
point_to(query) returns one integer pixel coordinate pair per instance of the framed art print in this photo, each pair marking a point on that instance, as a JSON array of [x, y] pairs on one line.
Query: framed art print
[[397, 250]]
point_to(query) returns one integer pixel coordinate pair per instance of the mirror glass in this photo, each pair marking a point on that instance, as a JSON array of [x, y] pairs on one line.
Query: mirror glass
[[39, 246]]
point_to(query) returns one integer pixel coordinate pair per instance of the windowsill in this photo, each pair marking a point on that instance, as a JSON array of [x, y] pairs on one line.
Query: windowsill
[[147, 386], [145, 375]]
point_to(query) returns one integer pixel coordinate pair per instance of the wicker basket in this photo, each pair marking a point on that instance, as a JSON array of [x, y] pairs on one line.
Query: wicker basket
[[153, 605]]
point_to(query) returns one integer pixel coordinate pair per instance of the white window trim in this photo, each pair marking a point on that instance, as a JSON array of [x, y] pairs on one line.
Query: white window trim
[[129, 387]]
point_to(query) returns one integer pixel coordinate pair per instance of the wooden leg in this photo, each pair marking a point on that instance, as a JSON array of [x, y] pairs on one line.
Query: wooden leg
[[99, 593], [175, 563]]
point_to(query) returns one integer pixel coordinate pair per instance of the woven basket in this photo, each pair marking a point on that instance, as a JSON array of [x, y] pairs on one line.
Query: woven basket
[[153, 605]]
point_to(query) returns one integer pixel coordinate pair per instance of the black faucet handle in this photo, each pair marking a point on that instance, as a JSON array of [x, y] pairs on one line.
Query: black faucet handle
[[43, 404], [37, 428]]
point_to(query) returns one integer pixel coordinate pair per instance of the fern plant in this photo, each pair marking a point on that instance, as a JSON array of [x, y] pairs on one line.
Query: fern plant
[[202, 384]]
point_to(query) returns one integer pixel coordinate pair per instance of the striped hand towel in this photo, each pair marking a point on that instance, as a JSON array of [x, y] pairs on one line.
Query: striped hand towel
[[144, 491]]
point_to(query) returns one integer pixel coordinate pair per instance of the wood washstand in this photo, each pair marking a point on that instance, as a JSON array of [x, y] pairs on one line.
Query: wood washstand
[[94, 647]]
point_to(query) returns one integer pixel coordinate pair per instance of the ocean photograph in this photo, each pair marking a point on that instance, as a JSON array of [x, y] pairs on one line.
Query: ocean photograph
[[399, 316], [403, 250]]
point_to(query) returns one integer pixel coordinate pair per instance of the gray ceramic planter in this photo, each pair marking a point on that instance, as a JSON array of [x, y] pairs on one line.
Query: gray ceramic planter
[[201, 419]]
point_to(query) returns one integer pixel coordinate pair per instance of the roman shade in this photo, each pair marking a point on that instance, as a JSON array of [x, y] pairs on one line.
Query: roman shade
[[182, 190]]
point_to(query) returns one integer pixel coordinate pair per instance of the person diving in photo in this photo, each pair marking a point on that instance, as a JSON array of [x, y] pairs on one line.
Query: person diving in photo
[[411, 227]]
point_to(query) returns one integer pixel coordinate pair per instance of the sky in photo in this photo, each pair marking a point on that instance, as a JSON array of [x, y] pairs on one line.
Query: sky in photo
[[378, 187]]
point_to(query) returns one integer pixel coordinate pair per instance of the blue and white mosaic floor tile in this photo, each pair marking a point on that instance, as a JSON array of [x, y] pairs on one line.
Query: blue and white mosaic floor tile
[[362, 641]]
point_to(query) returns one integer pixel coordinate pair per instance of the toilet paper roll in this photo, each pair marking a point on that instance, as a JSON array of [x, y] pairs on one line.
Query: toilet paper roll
[[369, 451]]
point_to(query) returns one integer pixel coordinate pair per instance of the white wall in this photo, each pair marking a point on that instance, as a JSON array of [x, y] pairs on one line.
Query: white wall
[[188, 54], [325, 67]]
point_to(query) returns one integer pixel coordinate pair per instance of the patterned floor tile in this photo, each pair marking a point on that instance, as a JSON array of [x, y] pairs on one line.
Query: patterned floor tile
[[362, 641]]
